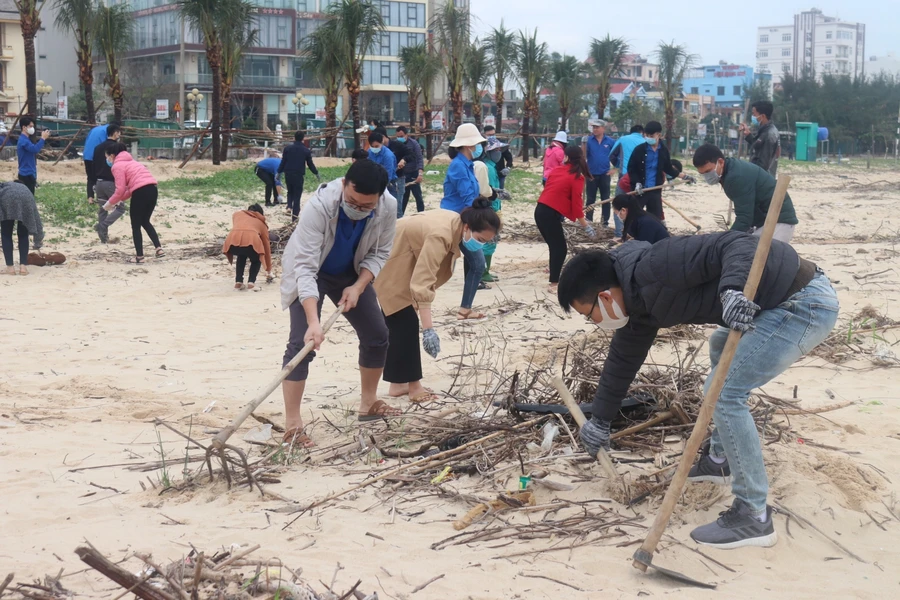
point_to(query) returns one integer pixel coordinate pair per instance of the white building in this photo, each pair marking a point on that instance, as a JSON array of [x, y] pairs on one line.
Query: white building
[[889, 65], [815, 43]]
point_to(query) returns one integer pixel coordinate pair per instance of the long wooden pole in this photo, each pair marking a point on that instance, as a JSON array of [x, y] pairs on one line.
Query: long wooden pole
[[644, 554], [575, 411], [75, 137]]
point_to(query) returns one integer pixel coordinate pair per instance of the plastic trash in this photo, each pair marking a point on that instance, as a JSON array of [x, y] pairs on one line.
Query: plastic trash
[[261, 434], [550, 433]]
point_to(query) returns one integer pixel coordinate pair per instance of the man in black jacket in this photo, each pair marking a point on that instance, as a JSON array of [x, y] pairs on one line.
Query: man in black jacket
[[412, 170], [648, 166], [105, 185], [638, 289], [294, 161]]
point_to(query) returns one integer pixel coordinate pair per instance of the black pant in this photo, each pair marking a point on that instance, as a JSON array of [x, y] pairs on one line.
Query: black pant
[[6, 235], [294, 182], [30, 182], [653, 203], [404, 360], [91, 177], [601, 183], [143, 202], [269, 180], [416, 190], [549, 223], [243, 253]]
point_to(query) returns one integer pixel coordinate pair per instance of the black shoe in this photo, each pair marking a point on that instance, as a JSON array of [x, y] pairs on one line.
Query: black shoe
[[736, 528], [268, 204], [706, 469]]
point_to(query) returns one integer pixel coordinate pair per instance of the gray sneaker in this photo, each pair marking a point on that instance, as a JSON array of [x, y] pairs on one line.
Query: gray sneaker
[[706, 469], [736, 528]]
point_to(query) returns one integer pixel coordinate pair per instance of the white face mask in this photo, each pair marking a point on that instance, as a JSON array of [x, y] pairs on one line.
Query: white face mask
[[30, 131], [610, 323]]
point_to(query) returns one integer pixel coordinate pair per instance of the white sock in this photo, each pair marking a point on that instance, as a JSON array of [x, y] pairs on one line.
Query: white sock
[[717, 460], [761, 517]]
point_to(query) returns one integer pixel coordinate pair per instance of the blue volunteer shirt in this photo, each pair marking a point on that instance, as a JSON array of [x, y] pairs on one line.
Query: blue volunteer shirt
[[651, 166], [27, 153], [96, 137], [270, 166], [628, 144], [346, 241], [460, 186], [386, 159], [598, 152]]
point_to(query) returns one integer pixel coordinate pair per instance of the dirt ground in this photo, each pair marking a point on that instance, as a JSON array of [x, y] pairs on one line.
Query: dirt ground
[[96, 349]]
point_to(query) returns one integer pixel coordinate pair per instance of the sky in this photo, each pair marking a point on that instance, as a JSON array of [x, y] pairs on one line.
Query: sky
[[713, 30]]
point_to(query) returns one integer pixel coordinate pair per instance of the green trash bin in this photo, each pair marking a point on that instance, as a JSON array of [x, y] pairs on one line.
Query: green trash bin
[[807, 141]]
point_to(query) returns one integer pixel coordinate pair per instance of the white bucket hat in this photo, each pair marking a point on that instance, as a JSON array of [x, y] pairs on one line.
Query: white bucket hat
[[467, 135], [561, 137]]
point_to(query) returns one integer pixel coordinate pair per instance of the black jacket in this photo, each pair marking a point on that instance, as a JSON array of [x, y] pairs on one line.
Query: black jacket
[[637, 165], [414, 161], [296, 158], [101, 169], [676, 281], [765, 148], [401, 152]]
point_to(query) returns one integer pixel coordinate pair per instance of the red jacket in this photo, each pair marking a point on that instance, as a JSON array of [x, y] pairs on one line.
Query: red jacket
[[562, 193]]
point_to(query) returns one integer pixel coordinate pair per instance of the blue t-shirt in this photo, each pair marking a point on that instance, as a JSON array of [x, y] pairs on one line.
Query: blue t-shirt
[[270, 166], [648, 229], [598, 152], [96, 137], [628, 144], [651, 165], [460, 186], [346, 241], [386, 159]]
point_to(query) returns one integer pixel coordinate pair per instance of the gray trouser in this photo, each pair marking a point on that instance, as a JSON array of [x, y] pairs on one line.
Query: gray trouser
[[104, 191]]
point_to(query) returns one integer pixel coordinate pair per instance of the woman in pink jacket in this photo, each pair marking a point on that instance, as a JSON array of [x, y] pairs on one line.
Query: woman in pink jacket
[[134, 181], [556, 153]]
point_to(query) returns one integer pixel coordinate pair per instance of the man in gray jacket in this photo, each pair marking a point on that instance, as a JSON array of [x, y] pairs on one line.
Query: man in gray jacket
[[342, 240], [765, 146]]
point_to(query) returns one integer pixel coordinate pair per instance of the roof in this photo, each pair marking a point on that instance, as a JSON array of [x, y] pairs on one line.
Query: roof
[[618, 88], [8, 10]]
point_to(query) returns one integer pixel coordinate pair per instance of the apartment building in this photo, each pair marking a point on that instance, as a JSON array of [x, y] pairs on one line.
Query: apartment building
[[725, 82], [814, 43], [12, 60], [640, 70]]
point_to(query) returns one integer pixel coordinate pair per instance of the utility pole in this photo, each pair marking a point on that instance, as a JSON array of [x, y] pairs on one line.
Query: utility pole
[[181, 68], [897, 138]]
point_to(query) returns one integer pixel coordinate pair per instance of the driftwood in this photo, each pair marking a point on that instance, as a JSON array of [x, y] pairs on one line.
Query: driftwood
[[136, 585]]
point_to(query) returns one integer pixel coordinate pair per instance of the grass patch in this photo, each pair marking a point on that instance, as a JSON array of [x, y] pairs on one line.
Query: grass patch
[[65, 205]]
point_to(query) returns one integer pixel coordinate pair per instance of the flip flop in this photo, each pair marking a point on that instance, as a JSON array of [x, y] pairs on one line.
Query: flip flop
[[379, 410], [136, 260], [298, 438], [469, 315]]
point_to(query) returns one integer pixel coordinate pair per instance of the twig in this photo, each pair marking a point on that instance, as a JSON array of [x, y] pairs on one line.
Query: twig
[[427, 583], [6, 582], [802, 519], [175, 586], [523, 574], [235, 557]]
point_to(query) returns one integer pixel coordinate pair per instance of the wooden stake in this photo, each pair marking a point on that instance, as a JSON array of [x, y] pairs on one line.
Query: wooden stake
[[575, 411]]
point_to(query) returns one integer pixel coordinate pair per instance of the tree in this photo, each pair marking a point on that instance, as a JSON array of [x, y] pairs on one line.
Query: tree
[[476, 74], [115, 36], [606, 57], [30, 23], [674, 61], [452, 30], [501, 45], [412, 59], [356, 25], [79, 17], [237, 37], [531, 61], [566, 75], [431, 70], [319, 57]]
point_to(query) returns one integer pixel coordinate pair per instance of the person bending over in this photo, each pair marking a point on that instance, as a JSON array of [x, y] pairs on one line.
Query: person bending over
[[636, 222], [248, 240]]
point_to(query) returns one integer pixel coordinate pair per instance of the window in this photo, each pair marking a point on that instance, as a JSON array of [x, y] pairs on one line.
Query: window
[[786, 67], [764, 39], [827, 35], [695, 90], [302, 6], [274, 32], [844, 35], [377, 72], [649, 74], [763, 53], [637, 71], [737, 90], [720, 91], [42, 56], [763, 67], [385, 44], [785, 51], [386, 72], [412, 15], [828, 66], [785, 37], [827, 49], [386, 12]]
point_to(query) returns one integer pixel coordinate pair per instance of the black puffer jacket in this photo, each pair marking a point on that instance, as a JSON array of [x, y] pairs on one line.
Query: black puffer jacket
[[678, 280]]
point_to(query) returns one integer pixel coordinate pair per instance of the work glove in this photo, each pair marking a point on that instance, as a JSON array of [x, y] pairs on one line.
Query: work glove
[[689, 179], [109, 207], [737, 310], [639, 189], [319, 177], [431, 342], [504, 172], [503, 194], [590, 231], [595, 435]]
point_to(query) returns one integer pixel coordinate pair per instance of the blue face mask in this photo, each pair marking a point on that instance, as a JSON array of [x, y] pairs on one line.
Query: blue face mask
[[754, 120], [375, 150], [479, 150], [371, 128], [402, 140], [652, 141], [108, 162], [471, 244]]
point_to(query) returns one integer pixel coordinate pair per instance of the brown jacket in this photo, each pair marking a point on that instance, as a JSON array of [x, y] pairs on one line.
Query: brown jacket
[[426, 245], [249, 229]]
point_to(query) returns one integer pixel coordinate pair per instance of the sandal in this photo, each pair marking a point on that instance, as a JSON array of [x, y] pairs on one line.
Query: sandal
[[136, 260], [239, 286], [467, 314], [160, 253], [379, 410], [296, 437]]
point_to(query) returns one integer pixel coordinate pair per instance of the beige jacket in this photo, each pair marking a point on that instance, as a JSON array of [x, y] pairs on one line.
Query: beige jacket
[[426, 246]]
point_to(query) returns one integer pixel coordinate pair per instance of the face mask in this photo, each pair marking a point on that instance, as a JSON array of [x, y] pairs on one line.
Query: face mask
[[711, 177], [375, 150], [610, 323], [494, 155], [109, 162], [402, 140], [478, 151], [471, 244], [30, 131], [371, 128], [354, 214], [652, 141], [754, 120]]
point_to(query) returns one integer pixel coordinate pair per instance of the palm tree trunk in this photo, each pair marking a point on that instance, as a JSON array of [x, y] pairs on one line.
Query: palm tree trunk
[[226, 114], [353, 90], [498, 99], [213, 56], [29, 28], [526, 138], [331, 123], [86, 75], [563, 116], [476, 111], [456, 101], [412, 102], [429, 143], [670, 125]]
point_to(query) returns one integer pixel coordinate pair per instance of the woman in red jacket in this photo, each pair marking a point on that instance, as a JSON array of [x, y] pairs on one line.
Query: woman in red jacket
[[561, 199]]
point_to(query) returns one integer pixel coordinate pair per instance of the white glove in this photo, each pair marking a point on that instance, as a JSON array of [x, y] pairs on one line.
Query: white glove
[[109, 207], [639, 189]]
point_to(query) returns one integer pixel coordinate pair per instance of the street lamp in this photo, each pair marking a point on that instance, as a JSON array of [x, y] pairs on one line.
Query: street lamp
[[42, 90], [195, 98], [299, 100]]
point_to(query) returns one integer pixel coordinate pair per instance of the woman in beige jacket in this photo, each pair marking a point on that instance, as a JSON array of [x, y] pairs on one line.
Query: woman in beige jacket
[[426, 246]]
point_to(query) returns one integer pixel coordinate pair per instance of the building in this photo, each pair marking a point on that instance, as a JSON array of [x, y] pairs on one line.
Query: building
[[12, 60], [56, 64], [640, 70], [621, 92], [814, 43], [889, 65], [724, 82]]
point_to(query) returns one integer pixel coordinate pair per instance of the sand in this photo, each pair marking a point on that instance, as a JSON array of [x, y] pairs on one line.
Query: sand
[[95, 350]]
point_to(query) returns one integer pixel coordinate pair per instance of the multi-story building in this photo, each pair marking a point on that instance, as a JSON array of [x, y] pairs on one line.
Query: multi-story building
[[814, 43], [12, 59], [725, 82], [888, 64], [640, 70]]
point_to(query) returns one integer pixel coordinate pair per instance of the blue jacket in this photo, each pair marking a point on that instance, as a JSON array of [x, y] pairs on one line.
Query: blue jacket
[[96, 137], [460, 186], [27, 153], [598, 154], [623, 148], [270, 166], [386, 159]]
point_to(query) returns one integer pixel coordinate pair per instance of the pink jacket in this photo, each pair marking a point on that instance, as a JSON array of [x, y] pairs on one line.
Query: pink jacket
[[554, 157], [130, 175]]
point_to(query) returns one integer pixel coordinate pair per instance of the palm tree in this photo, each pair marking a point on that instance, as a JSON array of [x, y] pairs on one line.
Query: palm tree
[[476, 74], [79, 18], [115, 35], [566, 74], [30, 23], [237, 37], [412, 58], [452, 28], [531, 61], [356, 25], [606, 56], [320, 58], [501, 44], [674, 61], [431, 70]]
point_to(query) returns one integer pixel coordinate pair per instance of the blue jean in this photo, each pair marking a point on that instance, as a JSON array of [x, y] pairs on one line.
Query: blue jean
[[618, 221], [395, 189], [781, 336], [473, 267]]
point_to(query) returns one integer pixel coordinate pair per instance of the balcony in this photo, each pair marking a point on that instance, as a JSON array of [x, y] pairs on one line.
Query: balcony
[[243, 83], [6, 53]]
